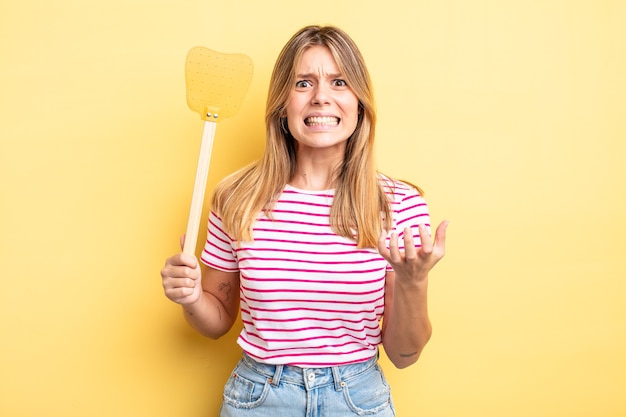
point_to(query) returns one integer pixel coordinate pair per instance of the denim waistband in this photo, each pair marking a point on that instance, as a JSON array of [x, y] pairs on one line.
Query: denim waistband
[[310, 378]]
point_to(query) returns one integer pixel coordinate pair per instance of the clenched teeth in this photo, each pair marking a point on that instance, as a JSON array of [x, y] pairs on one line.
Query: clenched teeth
[[321, 120]]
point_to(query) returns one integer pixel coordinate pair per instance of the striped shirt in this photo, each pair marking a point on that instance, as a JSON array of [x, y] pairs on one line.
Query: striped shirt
[[309, 297]]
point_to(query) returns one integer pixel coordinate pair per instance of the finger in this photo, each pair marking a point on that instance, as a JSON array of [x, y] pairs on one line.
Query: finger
[[189, 261], [182, 259], [427, 244], [182, 241], [410, 252], [440, 235], [382, 244], [394, 252], [179, 295], [179, 276], [171, 284]]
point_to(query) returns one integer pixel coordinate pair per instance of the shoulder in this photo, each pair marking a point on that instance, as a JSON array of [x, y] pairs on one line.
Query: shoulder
[[397, 190]]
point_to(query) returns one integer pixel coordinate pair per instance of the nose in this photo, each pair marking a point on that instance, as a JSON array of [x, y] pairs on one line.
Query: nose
[[321, 94]]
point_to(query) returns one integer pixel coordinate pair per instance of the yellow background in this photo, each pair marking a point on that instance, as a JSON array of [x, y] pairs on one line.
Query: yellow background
[[510, 114]]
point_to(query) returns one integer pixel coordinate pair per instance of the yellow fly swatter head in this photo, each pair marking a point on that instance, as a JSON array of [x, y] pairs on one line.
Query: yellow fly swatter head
[[216, 83], [216, 86]]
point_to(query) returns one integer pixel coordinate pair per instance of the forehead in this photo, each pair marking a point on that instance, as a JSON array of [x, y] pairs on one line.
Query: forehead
[[317, 59]]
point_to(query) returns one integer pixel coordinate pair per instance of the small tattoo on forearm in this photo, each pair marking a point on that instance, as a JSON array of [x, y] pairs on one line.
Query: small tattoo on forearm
[[225, 288], [407, 355]]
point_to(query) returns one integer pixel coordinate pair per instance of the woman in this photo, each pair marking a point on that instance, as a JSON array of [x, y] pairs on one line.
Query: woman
[[314, 247]]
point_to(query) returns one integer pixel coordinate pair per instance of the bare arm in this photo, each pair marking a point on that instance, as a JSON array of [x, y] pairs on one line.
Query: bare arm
[[406, 326], [209, 297]]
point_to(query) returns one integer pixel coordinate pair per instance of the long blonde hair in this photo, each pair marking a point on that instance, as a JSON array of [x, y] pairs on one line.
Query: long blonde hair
[[360, 207]]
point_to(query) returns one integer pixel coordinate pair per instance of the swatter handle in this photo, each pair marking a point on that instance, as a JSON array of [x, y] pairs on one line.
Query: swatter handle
[[197, 199]]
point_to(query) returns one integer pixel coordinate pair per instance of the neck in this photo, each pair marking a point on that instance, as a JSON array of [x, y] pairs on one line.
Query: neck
[[314, 174], [304, 181], [316, 169]]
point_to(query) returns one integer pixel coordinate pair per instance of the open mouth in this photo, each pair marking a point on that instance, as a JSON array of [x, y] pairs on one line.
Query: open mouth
[[321, 121]]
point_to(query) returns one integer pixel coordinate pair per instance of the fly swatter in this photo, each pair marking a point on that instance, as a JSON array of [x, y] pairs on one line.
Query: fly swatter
[[216, 85]]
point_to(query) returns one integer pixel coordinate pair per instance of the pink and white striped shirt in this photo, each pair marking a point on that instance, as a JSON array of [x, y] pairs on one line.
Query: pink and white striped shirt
[[309, 297]]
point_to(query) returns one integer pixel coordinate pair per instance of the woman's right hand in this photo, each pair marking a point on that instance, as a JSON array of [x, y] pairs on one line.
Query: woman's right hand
[[182, 279]]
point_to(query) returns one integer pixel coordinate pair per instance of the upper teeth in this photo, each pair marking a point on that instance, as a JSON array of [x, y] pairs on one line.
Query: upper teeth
[[322, 120]]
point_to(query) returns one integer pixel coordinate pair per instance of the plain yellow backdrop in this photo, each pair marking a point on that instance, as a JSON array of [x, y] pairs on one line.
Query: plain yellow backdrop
[[510, 114]]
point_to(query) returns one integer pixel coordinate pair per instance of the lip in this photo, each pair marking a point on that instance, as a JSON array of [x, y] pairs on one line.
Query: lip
[[319, 114]]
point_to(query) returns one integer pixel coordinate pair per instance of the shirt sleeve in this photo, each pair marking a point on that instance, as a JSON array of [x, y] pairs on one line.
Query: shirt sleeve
[[219, 252]]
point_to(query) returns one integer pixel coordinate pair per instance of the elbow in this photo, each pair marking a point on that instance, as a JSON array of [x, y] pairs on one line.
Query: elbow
[[402, 361], [210, 329], [409, 354], [217, 332], [213, 333], [403, 364]]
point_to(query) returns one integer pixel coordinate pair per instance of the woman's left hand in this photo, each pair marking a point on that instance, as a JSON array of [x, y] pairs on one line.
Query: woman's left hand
[[414, 262]]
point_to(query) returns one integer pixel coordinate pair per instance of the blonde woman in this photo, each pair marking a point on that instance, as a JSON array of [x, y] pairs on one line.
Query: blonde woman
[[325, 258]]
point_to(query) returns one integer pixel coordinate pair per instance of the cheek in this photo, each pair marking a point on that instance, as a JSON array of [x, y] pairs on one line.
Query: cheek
[[292, 125], [293, 111], [352, 112], [350, 105]]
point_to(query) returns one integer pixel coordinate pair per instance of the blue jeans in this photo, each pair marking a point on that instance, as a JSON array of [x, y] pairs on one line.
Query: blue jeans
[[256, 389]]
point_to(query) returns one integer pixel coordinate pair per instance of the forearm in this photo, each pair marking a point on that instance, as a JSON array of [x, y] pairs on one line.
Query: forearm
[[406, 327], [208, 316]]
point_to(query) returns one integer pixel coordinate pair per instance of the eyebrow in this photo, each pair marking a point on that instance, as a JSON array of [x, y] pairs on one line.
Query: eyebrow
[[314, 75]]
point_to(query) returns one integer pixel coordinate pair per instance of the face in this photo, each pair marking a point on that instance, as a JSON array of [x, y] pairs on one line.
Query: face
[[322, 110]]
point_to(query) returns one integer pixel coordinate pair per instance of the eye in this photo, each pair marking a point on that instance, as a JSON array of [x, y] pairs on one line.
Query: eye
[[303, 84], [340, 83]]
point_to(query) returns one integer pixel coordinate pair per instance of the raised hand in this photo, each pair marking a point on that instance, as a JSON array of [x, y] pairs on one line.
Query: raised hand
[[414, 262]]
